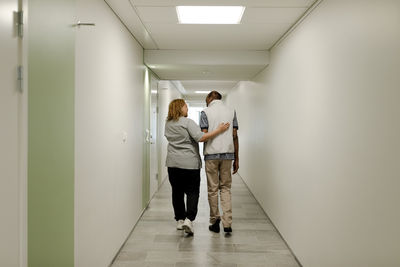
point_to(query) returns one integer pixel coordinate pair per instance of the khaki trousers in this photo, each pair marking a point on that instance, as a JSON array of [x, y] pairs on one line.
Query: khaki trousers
[[219, 178]]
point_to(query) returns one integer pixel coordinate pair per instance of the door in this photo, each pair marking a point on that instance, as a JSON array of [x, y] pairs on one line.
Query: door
[[153, 135], [12, 157]]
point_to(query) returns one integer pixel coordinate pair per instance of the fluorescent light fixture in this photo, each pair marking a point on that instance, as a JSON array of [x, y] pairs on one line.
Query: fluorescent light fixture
[[202, 92], [210, 14], [154, 91]]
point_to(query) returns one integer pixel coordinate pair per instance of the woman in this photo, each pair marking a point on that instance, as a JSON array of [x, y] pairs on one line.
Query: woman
[[184, 162]]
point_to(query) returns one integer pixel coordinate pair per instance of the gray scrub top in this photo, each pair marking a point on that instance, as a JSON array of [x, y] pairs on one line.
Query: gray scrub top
[[183, 136]]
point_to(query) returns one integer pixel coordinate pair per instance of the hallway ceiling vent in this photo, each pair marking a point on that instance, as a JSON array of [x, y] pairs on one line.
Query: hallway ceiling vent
[[210, 14]]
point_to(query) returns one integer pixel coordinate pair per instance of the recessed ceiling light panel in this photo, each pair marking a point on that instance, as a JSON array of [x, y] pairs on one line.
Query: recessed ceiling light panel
[[210, 14]]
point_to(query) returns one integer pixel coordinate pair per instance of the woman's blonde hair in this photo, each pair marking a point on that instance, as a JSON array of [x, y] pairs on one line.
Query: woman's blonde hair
[[175, 109]]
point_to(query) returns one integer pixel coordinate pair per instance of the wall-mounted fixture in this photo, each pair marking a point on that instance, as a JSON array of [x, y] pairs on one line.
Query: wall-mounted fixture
[[79, 23]]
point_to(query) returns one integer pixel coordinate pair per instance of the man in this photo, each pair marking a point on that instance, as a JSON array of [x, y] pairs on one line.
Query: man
[[218, 155]]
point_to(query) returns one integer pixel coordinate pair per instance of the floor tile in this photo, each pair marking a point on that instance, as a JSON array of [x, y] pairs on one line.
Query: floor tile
[[254, 241]]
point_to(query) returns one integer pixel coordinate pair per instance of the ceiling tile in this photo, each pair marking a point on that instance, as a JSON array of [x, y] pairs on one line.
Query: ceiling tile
[[153, 2], [158, 14], [272, 15], [279, 3]]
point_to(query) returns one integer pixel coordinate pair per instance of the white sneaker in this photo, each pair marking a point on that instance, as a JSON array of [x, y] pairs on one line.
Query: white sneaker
[[179, 224], [188, 226]]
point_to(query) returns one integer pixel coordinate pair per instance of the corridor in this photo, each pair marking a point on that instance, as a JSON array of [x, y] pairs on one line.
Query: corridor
[[254, 241], [85, 92]]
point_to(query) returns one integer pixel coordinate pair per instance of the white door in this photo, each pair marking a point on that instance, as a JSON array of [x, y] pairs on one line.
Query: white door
[[153, 136], [11, 124]]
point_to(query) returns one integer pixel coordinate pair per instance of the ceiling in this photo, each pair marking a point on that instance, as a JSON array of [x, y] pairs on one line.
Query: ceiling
[[155, 26], [203, 85], [206, 64]]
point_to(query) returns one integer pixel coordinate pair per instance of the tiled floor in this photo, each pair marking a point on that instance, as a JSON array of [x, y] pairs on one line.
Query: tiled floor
[[254, 241]]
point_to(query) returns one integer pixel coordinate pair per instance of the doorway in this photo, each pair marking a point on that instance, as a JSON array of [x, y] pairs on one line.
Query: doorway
[[154, 176], [194, 113]]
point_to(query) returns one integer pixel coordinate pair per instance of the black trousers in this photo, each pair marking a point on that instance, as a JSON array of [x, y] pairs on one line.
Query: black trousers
[[184, 181]]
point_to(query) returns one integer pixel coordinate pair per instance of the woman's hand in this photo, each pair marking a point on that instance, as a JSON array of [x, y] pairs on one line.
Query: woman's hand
[[223, 127]]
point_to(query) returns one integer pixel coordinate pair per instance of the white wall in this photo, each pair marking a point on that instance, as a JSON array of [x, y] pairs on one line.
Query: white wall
[[109, 101], [319, 135]]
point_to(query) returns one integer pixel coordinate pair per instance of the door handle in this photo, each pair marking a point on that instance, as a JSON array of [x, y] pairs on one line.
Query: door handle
[[147, 136], [79, 23]]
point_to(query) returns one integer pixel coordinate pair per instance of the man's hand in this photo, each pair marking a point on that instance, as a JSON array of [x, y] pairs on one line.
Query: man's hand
[[235, 166], [236, 145]]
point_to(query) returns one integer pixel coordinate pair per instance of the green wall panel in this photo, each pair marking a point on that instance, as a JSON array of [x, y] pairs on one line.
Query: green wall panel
[[51, 133]]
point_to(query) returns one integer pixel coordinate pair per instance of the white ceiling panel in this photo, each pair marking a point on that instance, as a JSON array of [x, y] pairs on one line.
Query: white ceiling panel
[[157, 14], [230, 37], [272, 15]]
